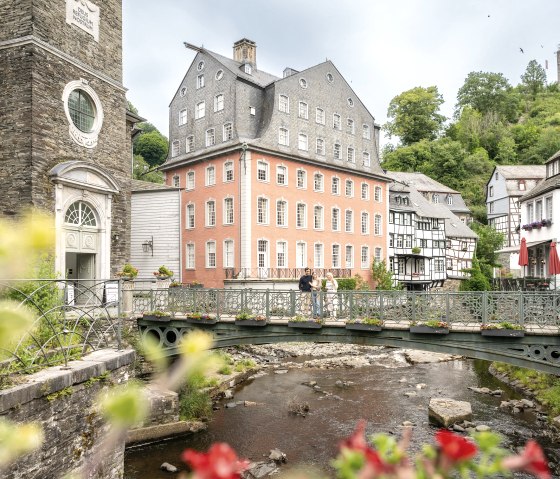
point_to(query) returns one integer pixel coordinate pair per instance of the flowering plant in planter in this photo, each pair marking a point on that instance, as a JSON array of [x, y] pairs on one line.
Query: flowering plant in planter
[[431, 323], [536, 224], [163, 273], [128, 272], [371, 321], [501, 325], [245, 316], [452, 455]]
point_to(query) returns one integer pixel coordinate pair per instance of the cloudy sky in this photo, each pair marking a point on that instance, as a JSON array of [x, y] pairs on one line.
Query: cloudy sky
[[382, 47]]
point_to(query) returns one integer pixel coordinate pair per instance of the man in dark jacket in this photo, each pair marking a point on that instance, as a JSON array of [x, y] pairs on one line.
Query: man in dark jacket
[[305, 288]]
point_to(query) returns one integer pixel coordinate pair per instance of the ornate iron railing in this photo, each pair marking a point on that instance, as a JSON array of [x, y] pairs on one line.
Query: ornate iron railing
[[71, 319], [540, 310], [523, 284], [283, 273]]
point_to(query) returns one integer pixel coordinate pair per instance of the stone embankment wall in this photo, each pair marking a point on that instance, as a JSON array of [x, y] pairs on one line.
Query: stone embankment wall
[[62, 402]]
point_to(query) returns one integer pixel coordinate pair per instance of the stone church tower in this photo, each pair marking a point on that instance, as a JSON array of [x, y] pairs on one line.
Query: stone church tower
[[65, 132]]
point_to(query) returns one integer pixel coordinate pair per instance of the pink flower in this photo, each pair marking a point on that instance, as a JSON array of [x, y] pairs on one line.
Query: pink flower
[[220, 462], [454, 447], [531, 460]]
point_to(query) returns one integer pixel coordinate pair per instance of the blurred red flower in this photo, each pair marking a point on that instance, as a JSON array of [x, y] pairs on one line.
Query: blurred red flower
[[531, 460], [454, 447], [220, 462]]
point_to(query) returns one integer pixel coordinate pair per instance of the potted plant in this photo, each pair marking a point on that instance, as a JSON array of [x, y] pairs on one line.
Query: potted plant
[[416, 250], [432, 326], [299, 321], [196, 285], [157, 315], [246, 318], [502, 329], [163, 273], [201, 318], [128, 272], [365, 324], [175, 284]]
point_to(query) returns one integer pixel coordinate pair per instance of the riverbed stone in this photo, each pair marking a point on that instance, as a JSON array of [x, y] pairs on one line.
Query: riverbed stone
[[258, 470], [458, 428], [168, 467], [231, 405], [421, 386], [411, 394], [482, 428], [446, 411], [277, 456], [422, 357], [407, 424], [228, 394], [281, 371]]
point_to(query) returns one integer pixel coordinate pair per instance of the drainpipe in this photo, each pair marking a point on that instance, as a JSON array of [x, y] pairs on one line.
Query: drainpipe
[[242, 162]]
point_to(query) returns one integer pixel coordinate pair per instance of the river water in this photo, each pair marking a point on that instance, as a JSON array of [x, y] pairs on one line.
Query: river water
[[377, 395]]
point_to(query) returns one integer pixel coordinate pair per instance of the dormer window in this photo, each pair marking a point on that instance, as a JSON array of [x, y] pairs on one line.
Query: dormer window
[[398, 200], [521, 185], [247, 68]]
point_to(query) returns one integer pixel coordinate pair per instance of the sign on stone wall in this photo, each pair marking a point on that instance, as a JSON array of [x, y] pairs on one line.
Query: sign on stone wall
[[84, 15]]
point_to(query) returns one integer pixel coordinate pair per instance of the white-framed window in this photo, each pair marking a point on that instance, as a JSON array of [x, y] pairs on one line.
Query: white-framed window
[[183, 117], [350, 126], [282, 175], [190, 144], [349, 188], [377, 194], [284, 104], [400, 239], [262, 170], [200, 81], [210, 176], [303, 83], [210, 213], [176, 181], [248, 68], [377, 255], [335, 185], [281, 213], [435, 198], [219, 74], [252, 111], [175, 148], [349, 257], [302, 142], [336, 255], [349, 221], [320, 116], [228, 171], [281, 254], [301, 179], [318, 220], [320, 146], [318, 182], [364, 257], [319, 255], [366, 160], [366, 132], [210, 254], [365, 191], [262, 210], [228, 254], [210, 137], [337, 155], [227, 132], [190, 216], [449, 200], [200, 66], [439, 265], [189, 256], [530, 212], [301, 215], [335, 219], [218, 102], [408, 241], [301, 254], [262, 253], [377, 225], [548, 207], [303, 110], [190, 180], [365, 223], [283, 137], [538, 210], [200, 110], [337, 125], [350, 155], [228, 211]]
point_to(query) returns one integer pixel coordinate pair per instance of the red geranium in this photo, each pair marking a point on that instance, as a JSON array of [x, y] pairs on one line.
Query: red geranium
[[531, 460], [454, 447], [220, 462]]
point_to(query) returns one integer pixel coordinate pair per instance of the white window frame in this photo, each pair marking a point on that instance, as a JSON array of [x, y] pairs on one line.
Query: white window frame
[[190, 180], [318, 219], [200, 110], [366, 132], [190, 256], [265, 169], [337, 121], [209, 252], [318, 186], [335, 185], [347, 248], [200, 81], [227, 131], [378, 194], [350, 155], [189, 144], [210, 175], [319, 116], [303, 223], [377, 225], [337, 209], [337, 151], [303, 110], [302, 178], [176, 181], [364, 223], [183, 117], [335, 264], [284, 251], [226, 252], [285, 174], [284, 103], [175, 148], [284, 203], [348, 225], [210, 137], [228, 168], [378, 257], [303, 142], [210, 221], [263, 213], [318, 259], [301, 259], [320, 146], [366, 159], [349, 193], [350, 126], [283, 136], [229, 213], [364, 191], [364, 263], [190, 212], [219, 102]]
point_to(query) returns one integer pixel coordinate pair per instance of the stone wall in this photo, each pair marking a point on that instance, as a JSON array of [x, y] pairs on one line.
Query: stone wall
[[61, 401]]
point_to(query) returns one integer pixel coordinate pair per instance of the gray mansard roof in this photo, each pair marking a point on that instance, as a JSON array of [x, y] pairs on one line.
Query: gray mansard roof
[[251, 105]]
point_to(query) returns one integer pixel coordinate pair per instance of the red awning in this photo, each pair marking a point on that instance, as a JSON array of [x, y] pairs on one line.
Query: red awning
[[553, 261], [523, 253]]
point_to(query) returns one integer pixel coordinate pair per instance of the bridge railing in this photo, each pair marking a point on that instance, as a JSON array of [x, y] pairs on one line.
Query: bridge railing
[[540, 309]]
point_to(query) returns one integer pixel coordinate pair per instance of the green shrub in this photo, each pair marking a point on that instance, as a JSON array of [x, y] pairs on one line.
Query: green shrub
[[225, 370], [243, 364], [344, 284]]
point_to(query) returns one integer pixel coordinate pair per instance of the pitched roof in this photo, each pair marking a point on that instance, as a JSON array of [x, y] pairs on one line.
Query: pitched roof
[[420, 181], [545, 186], [258, 77], [142, 186], [521, 172]]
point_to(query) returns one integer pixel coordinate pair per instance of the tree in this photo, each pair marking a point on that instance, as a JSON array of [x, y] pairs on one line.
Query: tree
[[489, 242], [414, 115], [488, 92], [534, 78], [152, 146], [382, 277], [142, 171], [477, 281]]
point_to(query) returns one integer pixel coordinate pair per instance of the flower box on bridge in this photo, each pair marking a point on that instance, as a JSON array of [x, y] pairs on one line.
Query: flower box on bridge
[[424, 329], [308, 324], [157, 316], [203, 319], [363, 327], [504, 333]]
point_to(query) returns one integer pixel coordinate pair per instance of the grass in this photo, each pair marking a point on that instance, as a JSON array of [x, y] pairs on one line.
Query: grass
[[243, 364], [545, 386], [194, 402]]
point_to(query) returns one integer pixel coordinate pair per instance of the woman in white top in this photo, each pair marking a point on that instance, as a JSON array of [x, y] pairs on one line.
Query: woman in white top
[[315, 288], [331, 286]]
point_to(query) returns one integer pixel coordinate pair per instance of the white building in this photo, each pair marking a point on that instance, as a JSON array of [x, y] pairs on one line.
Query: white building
[[539, 209]]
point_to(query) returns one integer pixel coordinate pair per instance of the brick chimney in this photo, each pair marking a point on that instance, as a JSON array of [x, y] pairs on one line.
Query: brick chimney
[[245, 51]]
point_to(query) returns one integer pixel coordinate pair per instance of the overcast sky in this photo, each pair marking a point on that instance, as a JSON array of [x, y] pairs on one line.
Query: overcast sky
[[381, 47]]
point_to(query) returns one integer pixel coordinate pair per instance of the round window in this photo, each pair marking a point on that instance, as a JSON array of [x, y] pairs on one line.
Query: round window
[[303, 82], [200, 66], [82, 110], [80, 214], [219, 74], [330, 77], [183, 91]]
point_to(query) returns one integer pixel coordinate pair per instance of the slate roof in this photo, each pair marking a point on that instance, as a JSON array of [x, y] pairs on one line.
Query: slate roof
[[547, 185], [521, 172], [258, 77], [143, 186]]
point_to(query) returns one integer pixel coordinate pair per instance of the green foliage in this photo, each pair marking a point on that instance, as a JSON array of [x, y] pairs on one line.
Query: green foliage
[[414, 115], [477, 281], [489, 241], [59, 394], [344, 284], [534, 78], [382, 276], [152, 146], [243, 364], [141, 170], [194, 405], [225, 370]]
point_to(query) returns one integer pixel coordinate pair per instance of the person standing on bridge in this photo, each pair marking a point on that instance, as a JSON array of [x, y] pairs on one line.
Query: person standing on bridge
[[315, 288], [305, 288], [331, 286]]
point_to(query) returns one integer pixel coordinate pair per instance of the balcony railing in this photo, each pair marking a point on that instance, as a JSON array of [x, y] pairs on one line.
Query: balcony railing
[[523, 284], [283, 273]]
